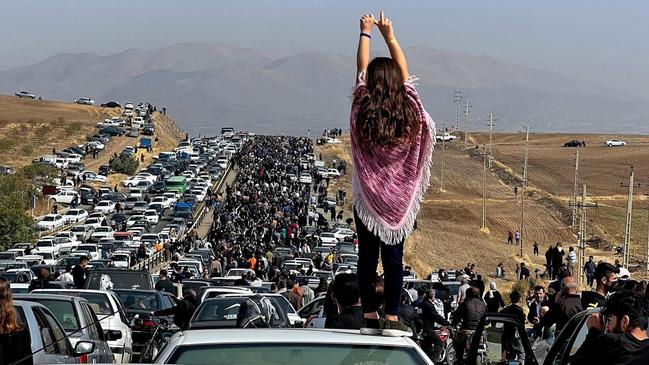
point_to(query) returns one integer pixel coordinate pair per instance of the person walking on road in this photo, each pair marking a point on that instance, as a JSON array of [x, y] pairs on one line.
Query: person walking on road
[[391, 133]]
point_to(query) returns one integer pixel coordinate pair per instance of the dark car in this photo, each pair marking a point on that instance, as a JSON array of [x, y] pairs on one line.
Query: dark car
[[112, 131], [158, 187], [86, 196], [106, 279], [148, 130], [114, 196], [143, 303], [111, 104], [104, 170], [222, 313], [573, 143]]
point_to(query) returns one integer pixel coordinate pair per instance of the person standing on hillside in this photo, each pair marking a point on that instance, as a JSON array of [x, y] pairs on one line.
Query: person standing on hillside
[[391, 135]]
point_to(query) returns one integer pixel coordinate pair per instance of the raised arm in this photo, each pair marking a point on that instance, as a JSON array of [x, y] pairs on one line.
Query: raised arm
[[385, 26], [363, 53]]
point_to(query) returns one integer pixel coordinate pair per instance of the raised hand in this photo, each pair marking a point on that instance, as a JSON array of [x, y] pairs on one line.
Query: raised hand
[[385, 26], [367, 22]]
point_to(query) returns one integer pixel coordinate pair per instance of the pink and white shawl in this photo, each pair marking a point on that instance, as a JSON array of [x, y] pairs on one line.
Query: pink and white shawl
[[388, 183]]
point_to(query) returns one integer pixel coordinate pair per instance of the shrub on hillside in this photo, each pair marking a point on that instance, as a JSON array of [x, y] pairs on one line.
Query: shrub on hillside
[[15, 224], [125, 165], [523, 287]]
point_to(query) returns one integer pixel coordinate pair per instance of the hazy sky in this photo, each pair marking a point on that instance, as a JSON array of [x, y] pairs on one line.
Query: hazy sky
[[601, 40]]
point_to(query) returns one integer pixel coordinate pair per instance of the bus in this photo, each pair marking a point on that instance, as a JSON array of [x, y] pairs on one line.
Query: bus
[[176, 184]]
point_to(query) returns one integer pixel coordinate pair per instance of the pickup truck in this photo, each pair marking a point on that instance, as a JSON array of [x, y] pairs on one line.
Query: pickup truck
[[446, 137]]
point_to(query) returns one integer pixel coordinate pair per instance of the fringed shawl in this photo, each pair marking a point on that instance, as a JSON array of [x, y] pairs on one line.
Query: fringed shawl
[[388, 183]]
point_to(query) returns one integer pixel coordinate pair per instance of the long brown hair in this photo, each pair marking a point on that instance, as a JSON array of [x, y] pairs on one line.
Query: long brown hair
[[8, 317], [386, 116]]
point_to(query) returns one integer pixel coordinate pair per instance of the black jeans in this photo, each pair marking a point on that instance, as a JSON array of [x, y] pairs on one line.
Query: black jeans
[[369, 247]]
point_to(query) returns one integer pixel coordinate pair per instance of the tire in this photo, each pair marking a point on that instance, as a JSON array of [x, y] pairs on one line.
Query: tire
[[610, 145]]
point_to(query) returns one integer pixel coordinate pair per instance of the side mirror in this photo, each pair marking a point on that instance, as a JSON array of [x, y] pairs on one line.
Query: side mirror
[[112, 335], [84, 348]]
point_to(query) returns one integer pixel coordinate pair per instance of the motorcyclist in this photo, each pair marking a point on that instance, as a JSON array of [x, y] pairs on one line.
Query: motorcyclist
[[467, 315], [430, 316]]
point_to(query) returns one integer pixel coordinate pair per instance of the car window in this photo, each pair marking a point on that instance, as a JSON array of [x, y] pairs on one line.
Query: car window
[[94, 328], [59, 334], [64, 312], [285, 353]]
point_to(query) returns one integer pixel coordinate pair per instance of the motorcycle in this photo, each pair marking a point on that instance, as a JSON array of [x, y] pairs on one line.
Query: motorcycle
[[157, 342]]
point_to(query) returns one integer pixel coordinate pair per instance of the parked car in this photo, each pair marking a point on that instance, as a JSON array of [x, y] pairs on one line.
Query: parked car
[[93, 176], [573, 143], [75, 216], [25, 95], [236, 346], [305, 178], [614, 143], [82, 232], [65, 197], [48, 342], [50, 222], [85, 101], [79, 322], [111, 104], [105, 206], [111, 314]]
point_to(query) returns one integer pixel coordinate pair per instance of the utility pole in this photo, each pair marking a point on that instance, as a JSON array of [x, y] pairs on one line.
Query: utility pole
[[523, 186], [485, 156], [629, 217], [467, 106], [581, 233], [441, 180], [491, 121], [574, 191], [457, 100]]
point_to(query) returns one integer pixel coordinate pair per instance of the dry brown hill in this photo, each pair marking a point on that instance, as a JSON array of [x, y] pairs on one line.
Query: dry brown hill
[[449, 223]]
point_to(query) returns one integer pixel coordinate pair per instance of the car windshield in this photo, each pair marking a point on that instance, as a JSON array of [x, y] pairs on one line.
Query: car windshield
[[64, 312], [222, 309], [44, 244], [49, 218], [286, 353], [138, 300]]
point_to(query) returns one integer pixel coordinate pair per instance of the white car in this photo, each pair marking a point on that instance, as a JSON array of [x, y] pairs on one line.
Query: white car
[[305, 178], [94, 223], [148, 176], [102, 232], [50, 222], [163, 200], [82, 232], [333, 140], [237, 346], [48, 244], [25, 95], [172, 197], [333, 173], [73, 158], [446, 137], [68, 241], [65, 197], [93, 176], [105, 206], [96, 144], [75, 216], [615, 143], [328, 239], [121, 259], [151, 215], [85, 101], [200, 194], [342, 233], [133, 180], [222, 163], [132, 219]]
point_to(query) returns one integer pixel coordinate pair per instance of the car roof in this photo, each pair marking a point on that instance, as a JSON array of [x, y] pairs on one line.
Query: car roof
[[59, 297], [276, 335]]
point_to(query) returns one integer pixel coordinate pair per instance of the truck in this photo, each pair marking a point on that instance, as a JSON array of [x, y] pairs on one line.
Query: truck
[[184, 210]]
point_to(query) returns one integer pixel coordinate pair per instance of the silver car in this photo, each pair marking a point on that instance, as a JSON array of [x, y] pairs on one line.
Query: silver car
[[79, 322], [48, 342]]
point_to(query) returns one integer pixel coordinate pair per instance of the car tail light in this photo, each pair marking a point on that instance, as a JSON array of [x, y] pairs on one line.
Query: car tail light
[[83, 359], [148, 323]]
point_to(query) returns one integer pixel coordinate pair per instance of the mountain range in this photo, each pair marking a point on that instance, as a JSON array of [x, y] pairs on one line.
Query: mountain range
[[205, 86]]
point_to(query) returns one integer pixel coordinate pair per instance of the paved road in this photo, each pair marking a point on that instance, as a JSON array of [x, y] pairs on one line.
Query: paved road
[[204, 228]]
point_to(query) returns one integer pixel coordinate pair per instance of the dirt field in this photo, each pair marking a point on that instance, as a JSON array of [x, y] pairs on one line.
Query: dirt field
[[449, 223]]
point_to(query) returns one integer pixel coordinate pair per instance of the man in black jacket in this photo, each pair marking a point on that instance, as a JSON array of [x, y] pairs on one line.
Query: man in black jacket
[[429, 317], [605, 278], [79, 273], [183, 312], [468, 313], [42, 281], [622, 338], [512, 346], [347, 297], [535, 313]]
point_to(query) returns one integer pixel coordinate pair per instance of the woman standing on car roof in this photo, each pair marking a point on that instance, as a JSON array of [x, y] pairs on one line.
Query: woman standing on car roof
[[15, 343], [392, 139]]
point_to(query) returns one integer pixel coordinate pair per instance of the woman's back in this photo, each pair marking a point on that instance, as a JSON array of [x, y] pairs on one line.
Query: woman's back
[[15, 346]]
